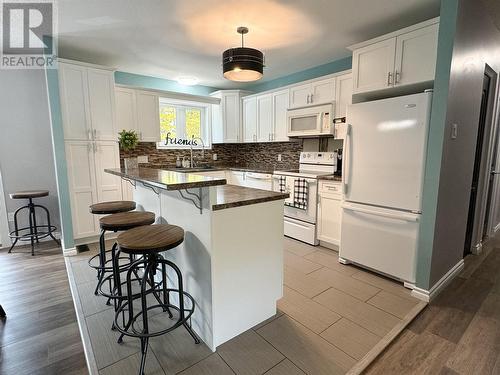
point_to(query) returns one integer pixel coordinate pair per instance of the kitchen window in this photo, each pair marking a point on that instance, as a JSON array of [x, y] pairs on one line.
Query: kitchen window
[[183, 124]]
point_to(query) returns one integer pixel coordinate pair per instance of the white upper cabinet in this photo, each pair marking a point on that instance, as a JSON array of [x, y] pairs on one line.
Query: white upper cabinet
[[300, 95], [416, 54], [373, 66], [403, 58], [87, 102], [102, 104], [315, 93], [126, 113], [74, 101], [323, 91], [280, 107], [226, 124], [265, 118], [138, 110], [148, 116], [343, 94], [250, 119]]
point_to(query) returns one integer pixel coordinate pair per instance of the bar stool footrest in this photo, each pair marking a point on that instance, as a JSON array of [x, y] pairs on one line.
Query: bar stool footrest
[[135, 332]]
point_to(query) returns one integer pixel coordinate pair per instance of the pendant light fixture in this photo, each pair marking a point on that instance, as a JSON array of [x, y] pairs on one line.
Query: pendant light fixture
[[242, 64]]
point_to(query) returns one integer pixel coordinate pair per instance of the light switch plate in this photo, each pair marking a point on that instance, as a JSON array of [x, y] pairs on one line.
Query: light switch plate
[[143, 159], [279, 157], [214, 157], [454, 131]]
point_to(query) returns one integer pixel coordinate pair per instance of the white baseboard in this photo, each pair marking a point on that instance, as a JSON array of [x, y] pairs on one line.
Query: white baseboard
[[70, 251], [429, 295], [329, 245]]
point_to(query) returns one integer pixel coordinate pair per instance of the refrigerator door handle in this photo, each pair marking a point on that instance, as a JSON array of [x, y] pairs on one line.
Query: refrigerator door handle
[[345, 165], [396, 216]]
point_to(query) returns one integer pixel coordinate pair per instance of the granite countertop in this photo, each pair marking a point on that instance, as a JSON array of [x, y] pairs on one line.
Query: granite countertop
[[168, 180], [257, 169], [227, 195], [331, 177], [236, 196]]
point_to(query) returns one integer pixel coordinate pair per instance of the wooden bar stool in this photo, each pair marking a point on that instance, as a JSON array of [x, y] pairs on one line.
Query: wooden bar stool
[[34, 232], [149, 242], [99, 261]]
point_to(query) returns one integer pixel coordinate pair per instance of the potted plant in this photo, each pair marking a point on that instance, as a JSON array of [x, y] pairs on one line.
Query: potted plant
[[128, 141]]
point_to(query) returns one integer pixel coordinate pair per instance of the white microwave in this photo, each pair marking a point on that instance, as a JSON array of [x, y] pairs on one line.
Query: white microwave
[[311, 121]]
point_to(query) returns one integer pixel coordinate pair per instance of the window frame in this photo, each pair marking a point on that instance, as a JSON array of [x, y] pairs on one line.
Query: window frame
[[205, 118]]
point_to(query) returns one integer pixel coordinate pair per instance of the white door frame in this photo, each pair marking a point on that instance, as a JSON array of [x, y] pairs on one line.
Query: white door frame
[[495, 197]]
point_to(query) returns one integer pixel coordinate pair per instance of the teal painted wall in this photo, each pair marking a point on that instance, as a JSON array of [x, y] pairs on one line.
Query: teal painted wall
[[60, 158], [318, 71], [447, 28], [148, 82]]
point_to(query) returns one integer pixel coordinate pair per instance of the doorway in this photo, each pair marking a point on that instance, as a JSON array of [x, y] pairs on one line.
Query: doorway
[[480, 191]]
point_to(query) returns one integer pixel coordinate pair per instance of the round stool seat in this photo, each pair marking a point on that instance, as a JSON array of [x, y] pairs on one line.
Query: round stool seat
[[150, 239], [27, 194], [126, 220], [112, 207]]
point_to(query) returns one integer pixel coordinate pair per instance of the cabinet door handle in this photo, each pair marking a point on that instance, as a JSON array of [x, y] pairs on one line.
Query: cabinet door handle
[[312, 98], [397, 77], [308, 98], [389, 79], [89, 134], [95, 134]]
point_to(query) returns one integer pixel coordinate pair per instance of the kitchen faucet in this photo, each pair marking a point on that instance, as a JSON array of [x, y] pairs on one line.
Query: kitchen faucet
[[202, 149]]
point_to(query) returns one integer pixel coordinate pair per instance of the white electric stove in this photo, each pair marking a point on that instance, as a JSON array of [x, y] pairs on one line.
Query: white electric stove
[[301, 223]]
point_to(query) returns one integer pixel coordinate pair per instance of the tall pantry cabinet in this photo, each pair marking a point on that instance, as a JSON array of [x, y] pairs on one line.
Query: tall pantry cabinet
[[90, 137]]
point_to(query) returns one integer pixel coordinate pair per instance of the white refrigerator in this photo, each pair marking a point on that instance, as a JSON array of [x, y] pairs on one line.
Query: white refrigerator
[[384, 161]]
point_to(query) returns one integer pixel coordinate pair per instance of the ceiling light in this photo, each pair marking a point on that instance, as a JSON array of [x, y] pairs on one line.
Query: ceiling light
[[242, 64], [188, 80]]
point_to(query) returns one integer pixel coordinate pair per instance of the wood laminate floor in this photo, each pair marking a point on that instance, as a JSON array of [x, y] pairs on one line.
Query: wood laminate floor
[[459, 332], [40, 334], [331, 317]]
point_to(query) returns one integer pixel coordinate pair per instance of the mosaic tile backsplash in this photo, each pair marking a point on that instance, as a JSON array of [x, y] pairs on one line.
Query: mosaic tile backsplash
[[247, 155]]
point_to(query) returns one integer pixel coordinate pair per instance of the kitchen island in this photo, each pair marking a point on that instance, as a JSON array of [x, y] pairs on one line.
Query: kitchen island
[[232, 255]]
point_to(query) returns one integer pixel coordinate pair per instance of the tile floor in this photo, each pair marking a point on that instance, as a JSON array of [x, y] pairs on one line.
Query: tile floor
[[330, 317]]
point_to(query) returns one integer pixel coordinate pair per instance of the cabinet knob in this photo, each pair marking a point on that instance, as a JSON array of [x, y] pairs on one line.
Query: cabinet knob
[[397, 77], [389, 79]]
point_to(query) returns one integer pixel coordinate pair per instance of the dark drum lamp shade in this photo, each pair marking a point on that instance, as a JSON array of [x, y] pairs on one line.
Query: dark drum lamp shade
[[243, 64]]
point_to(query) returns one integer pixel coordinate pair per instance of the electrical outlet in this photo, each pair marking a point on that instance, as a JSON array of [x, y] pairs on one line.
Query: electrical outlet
[[143, 159], [454, 131], [279, 157], [10, 216], [214, 157]]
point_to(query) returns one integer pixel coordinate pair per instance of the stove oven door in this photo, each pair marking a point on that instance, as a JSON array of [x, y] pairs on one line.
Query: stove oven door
[[308, 215]]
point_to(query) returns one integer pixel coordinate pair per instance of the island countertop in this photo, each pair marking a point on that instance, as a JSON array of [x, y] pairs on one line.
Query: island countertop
[[227, 196], [168, 180]]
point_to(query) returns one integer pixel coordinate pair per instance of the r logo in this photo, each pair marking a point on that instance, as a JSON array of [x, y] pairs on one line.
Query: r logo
[[25, 27]]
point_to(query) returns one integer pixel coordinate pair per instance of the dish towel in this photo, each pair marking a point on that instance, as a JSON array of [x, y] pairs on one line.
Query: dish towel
[[301, 190], [289, 188], [282, 184]]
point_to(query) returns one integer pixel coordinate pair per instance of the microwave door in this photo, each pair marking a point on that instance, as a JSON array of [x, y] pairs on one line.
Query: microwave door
[[304, 124]]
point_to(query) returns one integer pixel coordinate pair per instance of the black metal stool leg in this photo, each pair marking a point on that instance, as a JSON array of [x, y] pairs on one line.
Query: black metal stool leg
[[13, 244], [35, 227], [102, 261], [181, 302], [32, 232]]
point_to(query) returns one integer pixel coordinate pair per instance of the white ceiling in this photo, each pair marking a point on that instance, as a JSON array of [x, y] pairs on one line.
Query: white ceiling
[[171, 38]]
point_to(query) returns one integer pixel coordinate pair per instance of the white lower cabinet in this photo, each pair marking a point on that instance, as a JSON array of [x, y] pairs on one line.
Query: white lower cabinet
[[88, 183], [329, 212]]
